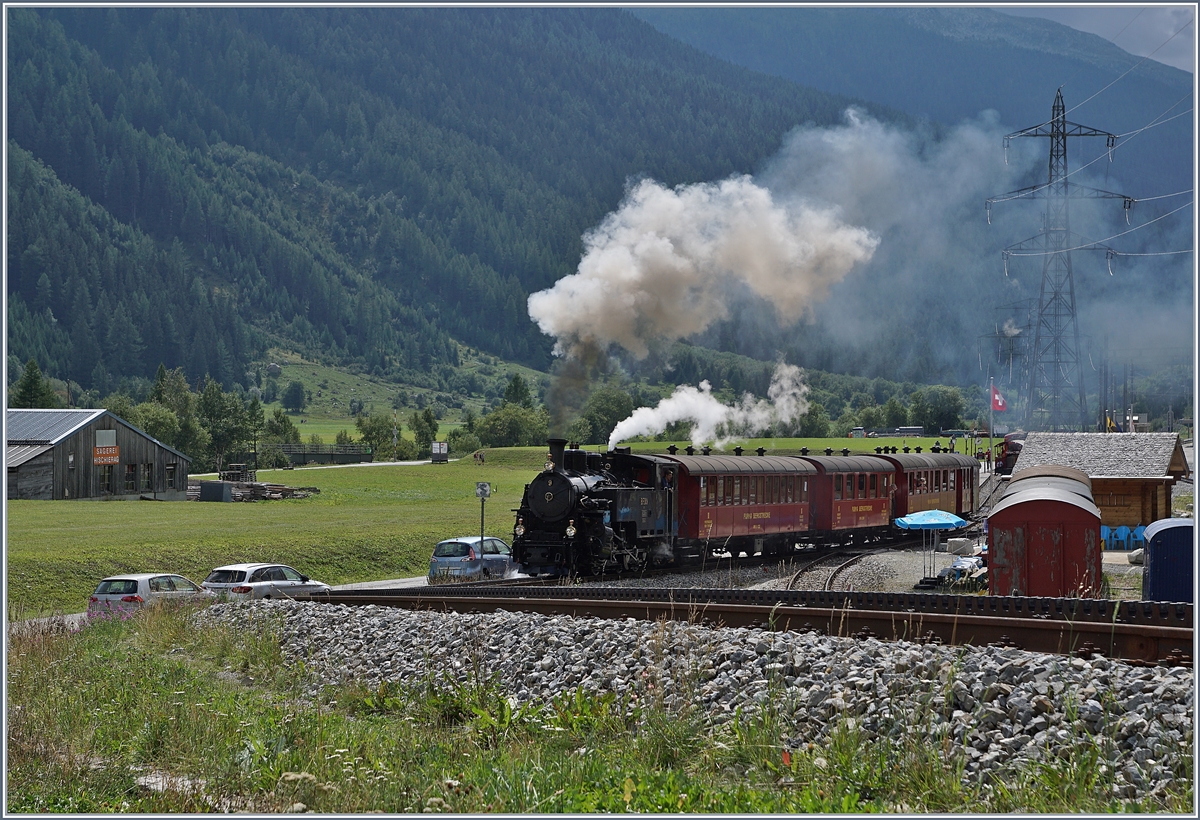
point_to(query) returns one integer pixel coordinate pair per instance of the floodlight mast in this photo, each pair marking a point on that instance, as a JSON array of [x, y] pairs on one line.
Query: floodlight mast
[[1054, 365]]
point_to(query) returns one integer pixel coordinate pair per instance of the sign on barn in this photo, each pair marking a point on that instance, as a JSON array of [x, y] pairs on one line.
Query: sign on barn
[[106, 455]]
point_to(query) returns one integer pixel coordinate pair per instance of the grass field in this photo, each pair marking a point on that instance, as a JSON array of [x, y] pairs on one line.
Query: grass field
[[367, 523]]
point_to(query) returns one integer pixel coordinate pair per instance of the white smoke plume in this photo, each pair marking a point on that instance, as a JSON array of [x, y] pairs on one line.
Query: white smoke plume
[[717, 423], [660, 267]]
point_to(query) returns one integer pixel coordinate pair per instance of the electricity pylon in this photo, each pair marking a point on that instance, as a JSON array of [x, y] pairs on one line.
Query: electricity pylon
[[1056, 397]]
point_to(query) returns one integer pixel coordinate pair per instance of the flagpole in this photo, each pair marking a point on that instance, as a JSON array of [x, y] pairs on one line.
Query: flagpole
[[991, 412]]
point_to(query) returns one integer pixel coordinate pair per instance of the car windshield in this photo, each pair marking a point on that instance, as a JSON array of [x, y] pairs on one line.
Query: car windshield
[[119, 586], [225, 576], [451, 549]]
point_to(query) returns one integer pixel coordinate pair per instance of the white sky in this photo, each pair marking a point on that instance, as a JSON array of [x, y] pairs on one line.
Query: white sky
[[1138, 28]]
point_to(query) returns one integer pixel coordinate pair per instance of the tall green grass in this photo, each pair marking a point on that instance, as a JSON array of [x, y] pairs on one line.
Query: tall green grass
[[234, 728]]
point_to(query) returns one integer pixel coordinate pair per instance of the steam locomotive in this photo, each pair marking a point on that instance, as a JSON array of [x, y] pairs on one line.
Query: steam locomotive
[[588, 513]]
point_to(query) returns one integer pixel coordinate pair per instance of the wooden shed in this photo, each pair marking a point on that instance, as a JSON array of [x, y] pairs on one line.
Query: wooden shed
[[1131, 473], [88, 454]]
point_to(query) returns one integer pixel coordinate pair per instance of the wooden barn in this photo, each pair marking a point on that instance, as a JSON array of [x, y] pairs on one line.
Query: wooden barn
[[88, 454], [1132, 473]]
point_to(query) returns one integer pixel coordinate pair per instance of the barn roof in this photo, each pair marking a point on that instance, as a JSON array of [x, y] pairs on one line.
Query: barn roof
[[18, 454], [25, 429], [45, 426], [1107, 455]]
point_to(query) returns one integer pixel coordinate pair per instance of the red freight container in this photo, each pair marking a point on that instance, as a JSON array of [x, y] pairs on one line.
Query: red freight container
[[1045, 541]]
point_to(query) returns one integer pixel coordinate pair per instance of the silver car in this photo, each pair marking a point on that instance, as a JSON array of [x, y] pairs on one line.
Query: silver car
[[464, 559], [127, 593], [245, 582]]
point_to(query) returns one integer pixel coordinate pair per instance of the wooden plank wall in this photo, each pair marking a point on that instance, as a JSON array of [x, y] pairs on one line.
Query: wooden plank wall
[[82, 480], [35, 479], [1130, 502]]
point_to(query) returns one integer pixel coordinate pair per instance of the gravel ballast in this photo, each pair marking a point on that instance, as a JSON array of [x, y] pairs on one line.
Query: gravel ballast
[[1000, 708]]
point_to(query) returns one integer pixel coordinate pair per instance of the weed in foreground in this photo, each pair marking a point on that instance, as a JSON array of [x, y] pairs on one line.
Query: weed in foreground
[[220, 713]]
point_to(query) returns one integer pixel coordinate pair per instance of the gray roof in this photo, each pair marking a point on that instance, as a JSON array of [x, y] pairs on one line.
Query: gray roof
[[45, 426], [1042, 495], [1112, 455], [18, 454], [706, 465], [39, 428]]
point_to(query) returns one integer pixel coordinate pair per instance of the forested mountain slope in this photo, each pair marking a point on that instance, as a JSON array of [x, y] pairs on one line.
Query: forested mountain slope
[[366, 185], [950, 64]]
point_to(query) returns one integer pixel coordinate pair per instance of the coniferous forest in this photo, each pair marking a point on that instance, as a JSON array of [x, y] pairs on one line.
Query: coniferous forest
[[369, 187]]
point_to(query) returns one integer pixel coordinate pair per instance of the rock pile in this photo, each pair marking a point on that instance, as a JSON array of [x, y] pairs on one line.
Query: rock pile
[[999, 708]]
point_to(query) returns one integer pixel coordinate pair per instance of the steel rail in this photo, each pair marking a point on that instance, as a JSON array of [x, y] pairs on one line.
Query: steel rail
[[1139, 643], [1099, 610]]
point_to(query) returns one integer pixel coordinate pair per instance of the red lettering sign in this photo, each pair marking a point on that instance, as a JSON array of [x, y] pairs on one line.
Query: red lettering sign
[[106, 455]]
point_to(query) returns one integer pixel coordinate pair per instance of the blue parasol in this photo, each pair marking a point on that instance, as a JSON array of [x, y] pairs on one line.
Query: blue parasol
[[931, 520]]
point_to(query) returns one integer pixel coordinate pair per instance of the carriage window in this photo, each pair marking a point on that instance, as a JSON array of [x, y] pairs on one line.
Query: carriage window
[[737, 490], [837, 487], [804, 490], [952, 472], [712, 493], [862, 485], [722, 486], [874, 486], [774, 490], [703, 491]]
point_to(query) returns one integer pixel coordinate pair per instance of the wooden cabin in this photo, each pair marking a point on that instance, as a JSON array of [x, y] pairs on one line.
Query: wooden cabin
[[88, 454], [1131, 473]]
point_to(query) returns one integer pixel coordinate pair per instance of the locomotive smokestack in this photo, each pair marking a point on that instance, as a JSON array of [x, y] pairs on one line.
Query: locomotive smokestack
[[557, 448]]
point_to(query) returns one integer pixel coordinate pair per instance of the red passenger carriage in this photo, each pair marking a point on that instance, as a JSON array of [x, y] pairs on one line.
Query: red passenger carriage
[[762, 503], [934, 481], [852, 498]]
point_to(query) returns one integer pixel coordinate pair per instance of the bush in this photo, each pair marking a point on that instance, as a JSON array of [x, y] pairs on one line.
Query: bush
[[462, 442]]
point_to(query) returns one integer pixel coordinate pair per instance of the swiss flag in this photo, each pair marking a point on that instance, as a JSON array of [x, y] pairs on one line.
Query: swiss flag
[[998, 402]]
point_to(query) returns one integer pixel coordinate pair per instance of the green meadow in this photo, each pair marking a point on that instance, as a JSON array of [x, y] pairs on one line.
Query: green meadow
[[367, 523]]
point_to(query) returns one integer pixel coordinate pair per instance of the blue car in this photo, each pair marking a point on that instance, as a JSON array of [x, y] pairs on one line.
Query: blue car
[[470, 558]]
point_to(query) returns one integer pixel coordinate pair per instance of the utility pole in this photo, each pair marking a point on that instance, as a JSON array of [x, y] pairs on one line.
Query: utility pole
[[1056, 398]]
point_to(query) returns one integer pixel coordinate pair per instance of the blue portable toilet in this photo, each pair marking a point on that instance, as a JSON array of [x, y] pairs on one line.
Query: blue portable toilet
[[1167, 561]]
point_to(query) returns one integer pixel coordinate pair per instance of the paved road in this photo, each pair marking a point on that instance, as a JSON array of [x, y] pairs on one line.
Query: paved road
[[213, 476]]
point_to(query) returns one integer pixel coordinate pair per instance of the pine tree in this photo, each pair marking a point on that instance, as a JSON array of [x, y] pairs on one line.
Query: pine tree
[[31, 390]]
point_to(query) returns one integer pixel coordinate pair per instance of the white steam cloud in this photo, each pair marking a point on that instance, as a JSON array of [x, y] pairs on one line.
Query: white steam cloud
[[660, 267], [717, 423]]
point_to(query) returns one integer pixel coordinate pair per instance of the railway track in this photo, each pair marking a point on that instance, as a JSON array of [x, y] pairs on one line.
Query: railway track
[[1138, 632], [832, 580]]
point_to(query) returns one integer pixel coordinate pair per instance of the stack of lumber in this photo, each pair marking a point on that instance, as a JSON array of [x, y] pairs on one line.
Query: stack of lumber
[[262, 491], [256, 491]]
